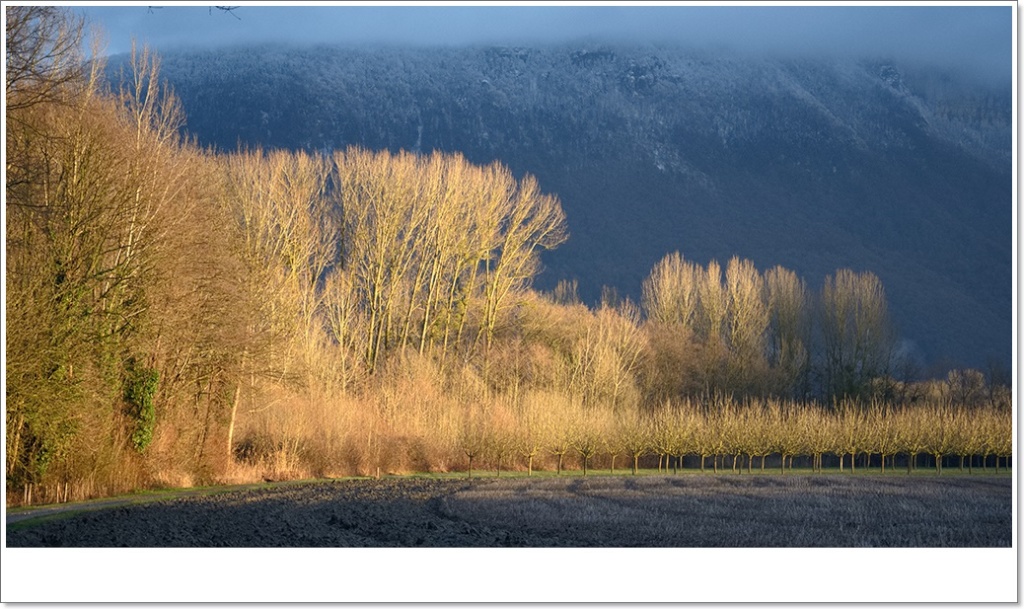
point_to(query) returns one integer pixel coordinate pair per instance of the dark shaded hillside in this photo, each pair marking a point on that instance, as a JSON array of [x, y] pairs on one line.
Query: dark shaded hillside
[[810, 164]]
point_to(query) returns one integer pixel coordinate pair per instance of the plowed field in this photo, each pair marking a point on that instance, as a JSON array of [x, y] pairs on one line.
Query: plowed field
[[643, 511]]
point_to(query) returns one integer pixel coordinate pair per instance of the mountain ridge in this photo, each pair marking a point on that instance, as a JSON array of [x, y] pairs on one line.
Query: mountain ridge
[[815, 164]]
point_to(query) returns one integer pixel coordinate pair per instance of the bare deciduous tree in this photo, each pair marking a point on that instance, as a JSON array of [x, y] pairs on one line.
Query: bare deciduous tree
[[44, 54], [747, 325], [670, 292], [788, 331], [858, 337]]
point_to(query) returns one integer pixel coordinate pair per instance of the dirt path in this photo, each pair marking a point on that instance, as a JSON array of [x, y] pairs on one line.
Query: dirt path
[[63, 508], [648, 511]]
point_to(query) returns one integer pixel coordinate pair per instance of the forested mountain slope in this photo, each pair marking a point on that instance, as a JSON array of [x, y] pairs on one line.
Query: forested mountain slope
[[811, 164]]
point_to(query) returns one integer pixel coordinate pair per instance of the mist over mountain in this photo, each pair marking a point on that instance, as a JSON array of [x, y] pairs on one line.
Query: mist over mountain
[[814, 164]]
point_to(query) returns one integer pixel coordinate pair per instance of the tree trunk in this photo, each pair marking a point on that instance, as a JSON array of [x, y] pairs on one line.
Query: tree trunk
[[231, 423], [469, 474], [613, 464], [584, 466], [559, 464], [15, 446], [782, 466], [636, 459], [853, 462], [529, 466]]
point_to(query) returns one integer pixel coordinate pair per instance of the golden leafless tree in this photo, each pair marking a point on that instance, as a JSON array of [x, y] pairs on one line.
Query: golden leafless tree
[[748, 318]]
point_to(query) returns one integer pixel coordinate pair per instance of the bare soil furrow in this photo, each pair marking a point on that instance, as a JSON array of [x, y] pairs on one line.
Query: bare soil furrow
[[644, 511]]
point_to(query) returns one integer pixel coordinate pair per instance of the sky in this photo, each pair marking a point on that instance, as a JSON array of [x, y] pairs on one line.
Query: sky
[[975, 38]]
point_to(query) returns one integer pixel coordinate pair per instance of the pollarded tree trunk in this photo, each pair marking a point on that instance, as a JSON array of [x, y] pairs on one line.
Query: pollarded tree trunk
[[636, 460]]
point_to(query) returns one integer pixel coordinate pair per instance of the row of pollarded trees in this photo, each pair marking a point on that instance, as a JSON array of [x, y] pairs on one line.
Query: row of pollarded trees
[[738, 435], [753, 333]]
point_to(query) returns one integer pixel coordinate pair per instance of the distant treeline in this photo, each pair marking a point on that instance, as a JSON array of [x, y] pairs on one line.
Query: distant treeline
[[176, 316]]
